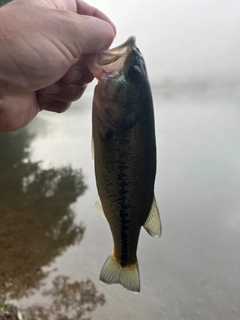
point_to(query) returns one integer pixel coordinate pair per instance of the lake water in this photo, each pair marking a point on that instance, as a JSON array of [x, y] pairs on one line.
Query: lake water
[[53, 244]]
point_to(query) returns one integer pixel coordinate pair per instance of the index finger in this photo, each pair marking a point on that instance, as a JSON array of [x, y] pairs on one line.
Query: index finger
[[85, 9]]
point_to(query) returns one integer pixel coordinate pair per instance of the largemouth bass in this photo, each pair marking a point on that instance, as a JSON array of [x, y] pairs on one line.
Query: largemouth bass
[[125, 156]]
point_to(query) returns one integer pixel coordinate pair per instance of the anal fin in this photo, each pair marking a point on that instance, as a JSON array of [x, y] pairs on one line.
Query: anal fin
[[153, 223]]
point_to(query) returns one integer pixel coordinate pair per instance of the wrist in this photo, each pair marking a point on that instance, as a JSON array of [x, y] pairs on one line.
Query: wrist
[[4, 54]]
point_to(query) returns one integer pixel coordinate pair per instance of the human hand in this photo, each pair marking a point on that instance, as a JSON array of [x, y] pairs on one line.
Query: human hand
[[40, 55]]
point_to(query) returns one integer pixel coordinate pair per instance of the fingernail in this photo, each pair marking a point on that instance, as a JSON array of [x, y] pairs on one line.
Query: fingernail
[[53, 89], [75, 75]]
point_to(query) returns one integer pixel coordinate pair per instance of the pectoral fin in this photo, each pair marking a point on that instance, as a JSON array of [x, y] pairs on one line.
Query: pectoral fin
[[92, 148], [98, 207], [153, 222]]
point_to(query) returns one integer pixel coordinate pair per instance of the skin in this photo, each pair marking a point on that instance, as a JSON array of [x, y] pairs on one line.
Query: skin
[[40, 56]]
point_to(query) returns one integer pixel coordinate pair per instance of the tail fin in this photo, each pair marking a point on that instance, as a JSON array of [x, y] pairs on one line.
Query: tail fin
[[128, 277]]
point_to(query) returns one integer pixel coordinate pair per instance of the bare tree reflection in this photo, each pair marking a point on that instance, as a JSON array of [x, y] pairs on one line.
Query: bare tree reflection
[[37, 223], [68, 301]]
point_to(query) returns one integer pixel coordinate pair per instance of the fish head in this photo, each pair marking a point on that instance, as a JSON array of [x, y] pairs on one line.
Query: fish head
[[122, 95], [121, 73]]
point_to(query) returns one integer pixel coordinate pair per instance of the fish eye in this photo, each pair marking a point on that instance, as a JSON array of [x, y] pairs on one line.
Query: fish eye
[[134, 73]]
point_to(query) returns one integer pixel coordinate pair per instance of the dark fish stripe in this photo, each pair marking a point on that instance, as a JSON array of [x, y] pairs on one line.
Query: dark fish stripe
[[124, 221]]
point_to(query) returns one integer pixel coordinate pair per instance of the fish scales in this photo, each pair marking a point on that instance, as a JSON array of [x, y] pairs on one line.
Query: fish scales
[[125, 157]]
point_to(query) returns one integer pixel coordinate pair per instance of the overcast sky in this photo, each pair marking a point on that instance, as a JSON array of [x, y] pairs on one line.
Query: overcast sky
[[181, 39]]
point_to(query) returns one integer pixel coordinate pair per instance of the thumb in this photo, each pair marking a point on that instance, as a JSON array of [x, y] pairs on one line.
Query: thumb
[[39, 44], [85, 31], [83, 34]]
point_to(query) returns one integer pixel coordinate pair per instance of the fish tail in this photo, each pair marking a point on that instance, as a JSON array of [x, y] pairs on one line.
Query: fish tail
[[127, 276]]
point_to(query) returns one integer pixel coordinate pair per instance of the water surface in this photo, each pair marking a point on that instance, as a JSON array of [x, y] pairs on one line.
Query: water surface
[[53, 244]]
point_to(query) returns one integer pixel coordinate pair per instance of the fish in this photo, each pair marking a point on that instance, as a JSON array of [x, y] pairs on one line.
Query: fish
[[124, 151]]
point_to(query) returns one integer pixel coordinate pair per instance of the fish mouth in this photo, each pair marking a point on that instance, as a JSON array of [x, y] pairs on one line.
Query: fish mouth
[[106, 58], [110, 62]]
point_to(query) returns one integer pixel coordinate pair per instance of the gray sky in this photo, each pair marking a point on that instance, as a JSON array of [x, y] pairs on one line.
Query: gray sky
[[181, 40]]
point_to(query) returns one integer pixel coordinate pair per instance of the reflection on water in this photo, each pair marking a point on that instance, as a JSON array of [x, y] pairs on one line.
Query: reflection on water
[[37, 225], [192, 272], [69, 301]]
